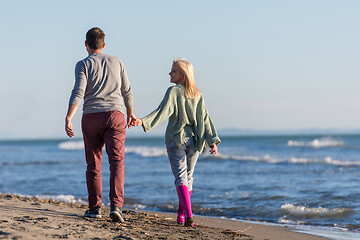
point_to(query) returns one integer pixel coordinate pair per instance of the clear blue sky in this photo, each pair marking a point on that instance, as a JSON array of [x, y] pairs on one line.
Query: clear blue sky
[[260, 64]]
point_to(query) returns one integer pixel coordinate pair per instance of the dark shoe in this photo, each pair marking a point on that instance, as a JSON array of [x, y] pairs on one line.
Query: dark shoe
[[115, 214], [189, 222], [93, 213]]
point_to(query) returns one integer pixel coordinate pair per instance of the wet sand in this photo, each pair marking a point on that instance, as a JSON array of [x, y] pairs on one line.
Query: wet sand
[[33, 218]]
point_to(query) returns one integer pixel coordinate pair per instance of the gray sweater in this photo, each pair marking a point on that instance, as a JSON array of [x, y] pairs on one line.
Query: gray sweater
[[101, 79]]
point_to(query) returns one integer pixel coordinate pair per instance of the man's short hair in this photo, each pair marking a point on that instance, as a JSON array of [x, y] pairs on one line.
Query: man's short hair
[[95, 38]]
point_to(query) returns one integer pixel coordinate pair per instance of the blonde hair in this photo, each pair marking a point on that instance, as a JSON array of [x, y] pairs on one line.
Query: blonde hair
[[191, 91]]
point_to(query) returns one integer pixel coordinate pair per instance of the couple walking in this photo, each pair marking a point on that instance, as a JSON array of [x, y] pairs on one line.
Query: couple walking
[[101, 81]]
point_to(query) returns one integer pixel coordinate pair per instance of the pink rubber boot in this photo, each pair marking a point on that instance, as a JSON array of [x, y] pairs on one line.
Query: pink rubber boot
[[185, 203], [180, 213]]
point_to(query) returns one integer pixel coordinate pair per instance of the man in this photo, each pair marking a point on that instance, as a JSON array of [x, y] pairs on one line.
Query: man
[[102, 81]]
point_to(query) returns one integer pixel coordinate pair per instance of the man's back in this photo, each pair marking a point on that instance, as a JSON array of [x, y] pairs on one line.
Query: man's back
[[103, 82]]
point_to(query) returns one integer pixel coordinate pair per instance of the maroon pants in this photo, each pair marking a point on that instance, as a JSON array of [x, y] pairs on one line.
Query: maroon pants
[[107, 128]]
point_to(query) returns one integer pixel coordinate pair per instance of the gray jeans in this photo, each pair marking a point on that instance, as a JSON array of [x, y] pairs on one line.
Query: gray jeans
[[183, 160]]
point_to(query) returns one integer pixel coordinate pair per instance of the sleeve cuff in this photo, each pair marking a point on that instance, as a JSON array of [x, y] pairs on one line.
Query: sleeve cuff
[[214, 140]]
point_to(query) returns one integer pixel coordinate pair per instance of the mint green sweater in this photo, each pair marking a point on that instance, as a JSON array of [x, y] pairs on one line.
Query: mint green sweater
[[187, 118]]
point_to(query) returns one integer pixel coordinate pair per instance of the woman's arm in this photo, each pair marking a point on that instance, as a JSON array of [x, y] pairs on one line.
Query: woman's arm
[[163, 112], [211, 136]]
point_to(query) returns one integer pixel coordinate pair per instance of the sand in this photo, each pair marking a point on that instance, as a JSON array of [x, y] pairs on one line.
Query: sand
[[33, 218]]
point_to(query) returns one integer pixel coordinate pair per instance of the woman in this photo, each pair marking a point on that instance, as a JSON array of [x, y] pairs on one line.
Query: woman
[[188, 132]]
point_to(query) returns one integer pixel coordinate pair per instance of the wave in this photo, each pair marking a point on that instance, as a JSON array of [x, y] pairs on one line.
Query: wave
[[293, 160], [265, 158], [143, 151], [302, 212], [153, 151], [327, 160], [62, 198], [40, 162], [71, 145], [284, 220], [59, 198], [316, 143]]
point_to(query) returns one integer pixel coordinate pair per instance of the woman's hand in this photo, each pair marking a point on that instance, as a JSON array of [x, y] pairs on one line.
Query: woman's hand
[[213, 149]]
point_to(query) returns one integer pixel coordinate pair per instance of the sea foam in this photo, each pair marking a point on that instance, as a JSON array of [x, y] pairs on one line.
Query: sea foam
[[143, 151], [303, 212], [265, 158], [71, 145], [326, 161], [316, 143], [61, 198], [292, 160]]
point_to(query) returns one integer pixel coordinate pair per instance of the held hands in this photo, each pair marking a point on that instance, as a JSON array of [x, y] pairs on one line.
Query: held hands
[[135, 122], [132, 121], [213, 149]]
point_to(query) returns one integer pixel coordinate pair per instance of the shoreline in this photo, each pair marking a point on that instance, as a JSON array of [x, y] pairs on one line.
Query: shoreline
[[33, 218]]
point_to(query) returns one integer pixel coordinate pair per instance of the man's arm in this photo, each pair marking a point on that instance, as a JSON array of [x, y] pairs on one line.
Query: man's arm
[[70, 114], [126, 93]]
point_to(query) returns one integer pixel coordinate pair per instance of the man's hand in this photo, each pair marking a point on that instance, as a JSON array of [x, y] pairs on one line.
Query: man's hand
[[130, 116], [130, 119], [68, 128], [213, 149]]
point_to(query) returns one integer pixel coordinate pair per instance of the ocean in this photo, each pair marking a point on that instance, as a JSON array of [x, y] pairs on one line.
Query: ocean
[[310, 182]]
